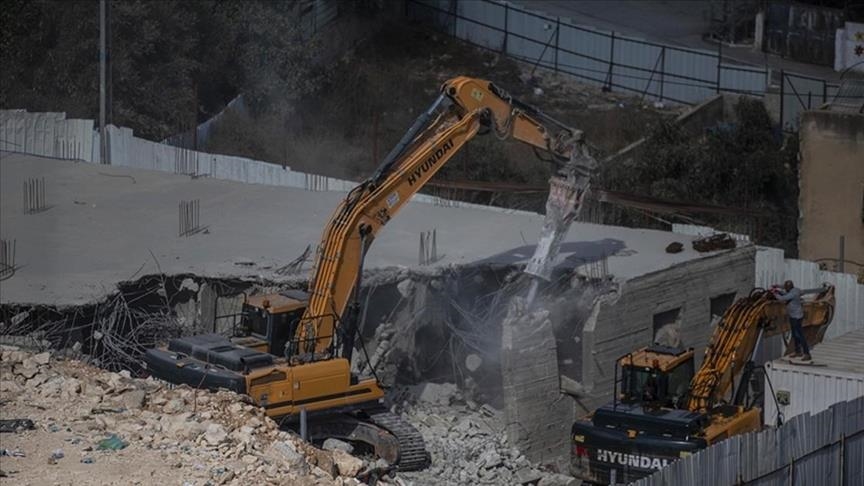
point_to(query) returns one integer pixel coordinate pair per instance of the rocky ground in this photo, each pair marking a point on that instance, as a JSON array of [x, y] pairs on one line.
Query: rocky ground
[[155, 435], [93, 427], [467, 441]]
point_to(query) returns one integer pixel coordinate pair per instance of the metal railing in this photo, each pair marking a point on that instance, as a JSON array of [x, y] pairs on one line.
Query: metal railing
[[609, 59], [614, 61]]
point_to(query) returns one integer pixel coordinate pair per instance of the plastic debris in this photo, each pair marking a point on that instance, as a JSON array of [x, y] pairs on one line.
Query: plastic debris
[[12, 453], [111, 443], [15, 425]]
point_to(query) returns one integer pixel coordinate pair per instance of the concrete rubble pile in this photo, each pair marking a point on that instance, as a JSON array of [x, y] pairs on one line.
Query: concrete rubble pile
[[467, 441], [151, 434]]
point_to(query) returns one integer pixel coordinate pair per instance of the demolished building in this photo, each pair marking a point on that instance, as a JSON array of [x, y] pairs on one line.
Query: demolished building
[[425, 320]]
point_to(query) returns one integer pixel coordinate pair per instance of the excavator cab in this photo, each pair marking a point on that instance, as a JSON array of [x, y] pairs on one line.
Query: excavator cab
[[656, 376], [268, 321]]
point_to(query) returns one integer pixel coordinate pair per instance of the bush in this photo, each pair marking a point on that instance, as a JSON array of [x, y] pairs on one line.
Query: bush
[[738, 165]]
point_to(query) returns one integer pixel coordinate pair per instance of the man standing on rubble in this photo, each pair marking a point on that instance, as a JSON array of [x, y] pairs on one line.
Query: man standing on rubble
[[795, 310]]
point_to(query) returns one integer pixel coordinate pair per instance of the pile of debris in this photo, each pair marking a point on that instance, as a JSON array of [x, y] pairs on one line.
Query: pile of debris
[[467, 441], [88, 426]]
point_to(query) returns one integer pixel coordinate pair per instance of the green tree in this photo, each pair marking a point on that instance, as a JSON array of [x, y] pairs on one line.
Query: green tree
[[739, 165], [173, 62]]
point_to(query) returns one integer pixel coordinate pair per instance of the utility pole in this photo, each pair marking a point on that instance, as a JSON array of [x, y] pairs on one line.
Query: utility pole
[[103, 146]]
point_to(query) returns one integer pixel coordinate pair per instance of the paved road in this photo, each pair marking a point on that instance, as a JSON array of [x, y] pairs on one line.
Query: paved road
[[673, 22]]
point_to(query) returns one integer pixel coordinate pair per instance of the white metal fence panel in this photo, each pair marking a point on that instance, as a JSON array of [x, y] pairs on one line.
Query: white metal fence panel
[[743, 80], [854, 473], [799, 94], [127, 150], [772, 268], [658, 71], [492, 34], [46, 134], [530, 37], [849, 313], [823, 449], [637, 66], [690, 76], [811, 389], [584, 53]]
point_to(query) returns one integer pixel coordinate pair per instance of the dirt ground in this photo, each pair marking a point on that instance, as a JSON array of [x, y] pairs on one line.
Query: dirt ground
[[377, 89]]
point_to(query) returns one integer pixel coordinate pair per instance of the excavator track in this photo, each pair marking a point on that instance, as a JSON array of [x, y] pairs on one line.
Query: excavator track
[[389, 437], [412, 448]]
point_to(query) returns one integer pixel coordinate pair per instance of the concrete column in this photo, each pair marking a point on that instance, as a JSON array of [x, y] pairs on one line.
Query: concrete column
[[537, 415], [759, 30]]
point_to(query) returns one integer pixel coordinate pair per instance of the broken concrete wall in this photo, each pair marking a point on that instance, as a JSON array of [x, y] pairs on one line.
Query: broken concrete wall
[[685, 300], [440, 325]]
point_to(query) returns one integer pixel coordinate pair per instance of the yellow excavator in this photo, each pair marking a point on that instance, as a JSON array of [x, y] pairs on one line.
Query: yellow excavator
[[661, 411], [293, 356]]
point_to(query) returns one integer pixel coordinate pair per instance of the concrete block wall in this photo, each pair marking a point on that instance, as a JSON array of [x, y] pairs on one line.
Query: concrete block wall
[[537, 415], [625, 321]]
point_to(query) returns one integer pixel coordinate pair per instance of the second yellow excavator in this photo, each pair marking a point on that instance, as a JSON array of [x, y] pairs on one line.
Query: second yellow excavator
[[662, 411], [295, 353]]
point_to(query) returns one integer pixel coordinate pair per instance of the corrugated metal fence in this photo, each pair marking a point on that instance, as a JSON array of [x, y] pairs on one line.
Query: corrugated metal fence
[[51, 135], [825, 449], [772, 268], [609, 59], [48, 135]]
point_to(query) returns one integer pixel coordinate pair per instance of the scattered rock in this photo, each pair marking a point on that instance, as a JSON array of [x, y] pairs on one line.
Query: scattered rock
[[527, 476], [42, 358], [347, 464], [553, 479], [490, 459], [134, 400], [70, 387], [221, 475], [175, 405], [287, 455], [435, 393], [332, 444], [27, 369], [9, 386], [215, 434], [55, 456]]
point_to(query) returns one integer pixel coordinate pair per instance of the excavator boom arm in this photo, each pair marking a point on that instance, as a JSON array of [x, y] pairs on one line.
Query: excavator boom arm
[[438, 134], [737, 335]]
